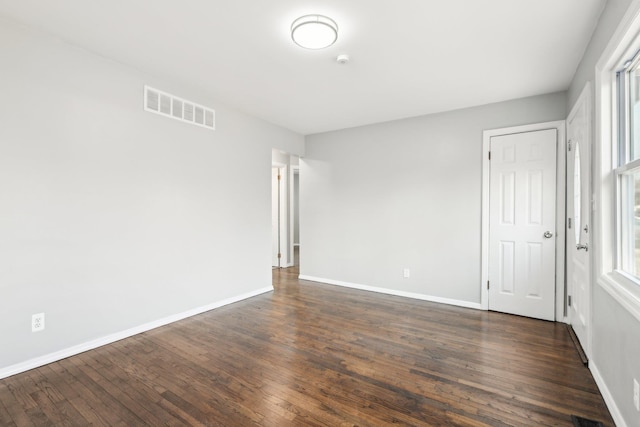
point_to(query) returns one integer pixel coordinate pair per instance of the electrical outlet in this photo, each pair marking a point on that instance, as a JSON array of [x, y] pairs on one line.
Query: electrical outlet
[[37, 322], [406, 273], [636, 394]]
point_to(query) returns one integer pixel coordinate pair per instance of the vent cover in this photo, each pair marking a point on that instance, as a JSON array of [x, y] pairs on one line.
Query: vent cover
[[156, 101]]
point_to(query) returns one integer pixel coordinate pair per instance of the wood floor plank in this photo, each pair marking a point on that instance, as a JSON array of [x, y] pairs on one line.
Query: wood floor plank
[[11, 408], [82, 400], [5, 417], [94, 384], [310, 354], [135, 390]]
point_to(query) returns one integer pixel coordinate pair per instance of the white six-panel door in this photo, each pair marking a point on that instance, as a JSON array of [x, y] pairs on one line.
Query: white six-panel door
[[522, 223]]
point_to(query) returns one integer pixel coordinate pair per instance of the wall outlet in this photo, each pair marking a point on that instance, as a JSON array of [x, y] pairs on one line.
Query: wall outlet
[[37, 322], [636, 394], [406, 273]]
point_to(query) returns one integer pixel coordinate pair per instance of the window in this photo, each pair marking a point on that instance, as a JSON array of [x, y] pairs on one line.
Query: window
[[627, 169], [617, 165]]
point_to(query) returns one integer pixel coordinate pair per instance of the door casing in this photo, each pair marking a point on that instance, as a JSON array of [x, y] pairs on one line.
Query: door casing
[[280, 215], [560, 208]]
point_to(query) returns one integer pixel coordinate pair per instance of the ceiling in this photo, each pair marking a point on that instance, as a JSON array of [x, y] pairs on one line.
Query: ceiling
[[408, 58]]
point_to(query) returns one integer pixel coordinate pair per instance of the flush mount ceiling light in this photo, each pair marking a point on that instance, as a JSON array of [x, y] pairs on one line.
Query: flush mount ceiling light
[[314, 31]]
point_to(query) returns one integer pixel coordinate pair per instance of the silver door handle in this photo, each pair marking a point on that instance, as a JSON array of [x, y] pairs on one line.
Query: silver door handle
[[582, 246], [548, 234]]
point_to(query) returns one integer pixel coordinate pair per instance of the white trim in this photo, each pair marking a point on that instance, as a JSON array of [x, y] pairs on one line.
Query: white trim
[[611, 283], [283, 170], [117, 336], [618, 419], [395, 292], [559, 125], [293, 171], [486, 177]]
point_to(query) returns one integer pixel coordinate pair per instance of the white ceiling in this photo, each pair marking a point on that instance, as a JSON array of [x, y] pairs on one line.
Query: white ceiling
[[408, 57]]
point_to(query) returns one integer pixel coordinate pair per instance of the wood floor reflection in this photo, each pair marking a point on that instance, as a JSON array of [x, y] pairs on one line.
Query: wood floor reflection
[[310, 354]]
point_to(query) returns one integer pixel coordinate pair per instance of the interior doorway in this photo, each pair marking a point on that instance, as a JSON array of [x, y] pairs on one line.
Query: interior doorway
[[296, 215], [278, 217], [284, 209]]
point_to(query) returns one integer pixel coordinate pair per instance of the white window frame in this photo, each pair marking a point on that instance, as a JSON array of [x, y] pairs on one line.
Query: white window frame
[[624, 167], [623, 45]]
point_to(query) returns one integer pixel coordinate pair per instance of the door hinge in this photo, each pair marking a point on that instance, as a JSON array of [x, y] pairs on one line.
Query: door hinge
[[489, 155], [488, 286], [569, 145], [279, 176], [569, 223], [569, 301], [279, 255]]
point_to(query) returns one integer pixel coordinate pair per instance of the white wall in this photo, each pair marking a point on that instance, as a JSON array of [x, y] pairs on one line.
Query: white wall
[[616, 333], [112, 217], [296, 209], [379, 198]]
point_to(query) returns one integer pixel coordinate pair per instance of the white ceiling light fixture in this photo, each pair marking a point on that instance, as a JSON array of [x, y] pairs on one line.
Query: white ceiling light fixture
[[314, 31]]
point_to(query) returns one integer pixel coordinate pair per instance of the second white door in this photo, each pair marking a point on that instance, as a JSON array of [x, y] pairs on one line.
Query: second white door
[[578, 222], [522, 222]]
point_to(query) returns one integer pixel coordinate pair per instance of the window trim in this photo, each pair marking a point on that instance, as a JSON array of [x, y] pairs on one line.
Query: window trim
[[623, 166], [628, 167], [624, 44]]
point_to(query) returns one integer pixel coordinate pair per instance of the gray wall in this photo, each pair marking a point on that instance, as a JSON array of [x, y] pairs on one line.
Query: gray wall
[[616, 333], [379, 198], [609, 19], [112, 217]]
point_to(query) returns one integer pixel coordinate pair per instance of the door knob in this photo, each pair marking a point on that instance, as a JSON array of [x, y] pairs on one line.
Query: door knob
[[582, 246], [548, 234]]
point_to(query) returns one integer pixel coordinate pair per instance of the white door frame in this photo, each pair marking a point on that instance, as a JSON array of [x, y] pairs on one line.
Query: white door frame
[[294, 169], [560, 208], [283, 212]]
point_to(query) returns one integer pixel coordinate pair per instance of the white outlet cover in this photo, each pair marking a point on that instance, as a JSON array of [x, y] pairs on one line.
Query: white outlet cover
[[406, 273], [37, 322]]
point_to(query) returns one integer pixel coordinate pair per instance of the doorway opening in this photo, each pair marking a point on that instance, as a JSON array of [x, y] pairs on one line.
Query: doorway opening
[[296, 215], [285, 234]]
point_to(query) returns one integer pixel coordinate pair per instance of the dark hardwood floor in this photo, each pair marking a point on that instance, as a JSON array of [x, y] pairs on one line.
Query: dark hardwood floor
[[316, 355]]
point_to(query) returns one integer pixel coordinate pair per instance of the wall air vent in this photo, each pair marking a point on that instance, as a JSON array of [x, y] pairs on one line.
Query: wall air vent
[[156, 101]]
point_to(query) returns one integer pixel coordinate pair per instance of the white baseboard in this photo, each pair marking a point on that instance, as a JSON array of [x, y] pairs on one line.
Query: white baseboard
[[98, 342], [423, 297], [606, 395]]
